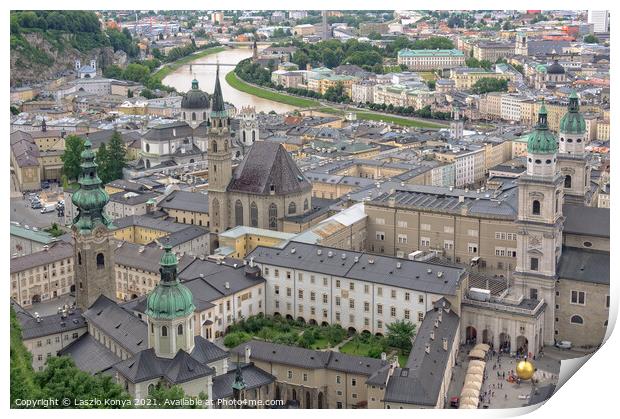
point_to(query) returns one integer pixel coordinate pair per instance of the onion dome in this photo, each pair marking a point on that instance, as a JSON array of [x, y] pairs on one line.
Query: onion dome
[[541, 140], [170, 299], [90, 198], [555, 68], [573, 122], [195, 98]]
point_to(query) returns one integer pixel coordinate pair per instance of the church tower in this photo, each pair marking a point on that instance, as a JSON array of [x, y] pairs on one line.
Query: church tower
[[248, 127], [573, 160], [170, 311], [456, 125], [93, 248], [539, 237], [219, 158]]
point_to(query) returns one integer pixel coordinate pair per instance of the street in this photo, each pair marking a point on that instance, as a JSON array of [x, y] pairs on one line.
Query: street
[[23, 214]]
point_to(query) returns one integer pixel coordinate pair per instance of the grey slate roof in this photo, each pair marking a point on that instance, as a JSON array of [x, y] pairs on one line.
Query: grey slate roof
[[268, 164], [149, 222], [49, 325], [586, 221], [183, 236], [206, 351], [253, 377], [126, 329], [129, 254], [584, 265], [89, 355], [419, 382], [56, 252], [309, 359], [121, 197], [168, 131], [383, 269], [145, 365], [186, 201]]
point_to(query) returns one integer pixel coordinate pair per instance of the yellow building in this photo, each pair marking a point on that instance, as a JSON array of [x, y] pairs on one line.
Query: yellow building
[[241, 240], [467, 80]]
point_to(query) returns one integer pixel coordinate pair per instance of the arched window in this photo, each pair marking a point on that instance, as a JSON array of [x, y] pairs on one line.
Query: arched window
[[253, 135], [292, 208], [568, 180], [151, 388], [100, 261], [243, 133], [184, 116], [536, 207], [214, 146], [79, 258], [204, 116], [180, 330], [226, 145], [193, 116], [253, 215], [164, 331], [273, 216], [306, 204], [576, 319], [238, 213], [147, 147], [216, 212]]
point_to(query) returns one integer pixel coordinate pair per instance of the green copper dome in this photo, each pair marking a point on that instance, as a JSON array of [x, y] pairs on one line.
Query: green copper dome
[[541, 140], [90, 198], [573, 122], [170, 299]]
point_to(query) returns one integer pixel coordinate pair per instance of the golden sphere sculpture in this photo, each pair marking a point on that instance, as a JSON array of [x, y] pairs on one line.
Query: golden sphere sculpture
[[525, 369]]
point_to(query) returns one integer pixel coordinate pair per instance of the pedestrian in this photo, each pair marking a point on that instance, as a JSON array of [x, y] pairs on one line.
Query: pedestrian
[[506, 396]]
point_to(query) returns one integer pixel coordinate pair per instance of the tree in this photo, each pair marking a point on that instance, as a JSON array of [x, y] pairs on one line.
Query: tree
[[103, 160], [61, 379], [71, 158], [147, 94], [136, 72], [117, 157], [488, 84], [22, 384], [113, 72], [591, 39], [399, 335]]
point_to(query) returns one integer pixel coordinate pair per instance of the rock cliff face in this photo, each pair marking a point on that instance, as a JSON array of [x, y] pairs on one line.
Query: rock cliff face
[[36, 59]]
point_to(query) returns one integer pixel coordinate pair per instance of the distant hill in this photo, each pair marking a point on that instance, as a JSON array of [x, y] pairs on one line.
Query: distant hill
[[45, 44]]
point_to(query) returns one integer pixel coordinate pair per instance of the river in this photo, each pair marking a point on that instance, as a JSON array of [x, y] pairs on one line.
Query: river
[[181, 80]]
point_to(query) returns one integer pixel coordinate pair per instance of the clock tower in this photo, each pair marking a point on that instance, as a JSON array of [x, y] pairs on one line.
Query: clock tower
[[93, 248], [540, 222]]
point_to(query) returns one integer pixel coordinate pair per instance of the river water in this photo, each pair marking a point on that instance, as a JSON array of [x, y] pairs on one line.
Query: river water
[[181, 80]]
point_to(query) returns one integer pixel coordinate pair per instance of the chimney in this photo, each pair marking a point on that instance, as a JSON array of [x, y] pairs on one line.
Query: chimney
[[432, 335], [436, 323], [248, 354], [227, 285], [427, 348], [439, 317], [383, 356], [444, 342]]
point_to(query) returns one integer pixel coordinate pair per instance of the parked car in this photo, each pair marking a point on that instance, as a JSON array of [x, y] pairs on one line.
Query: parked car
[[564, 344], [48, 208], [36, 205], [45, 184]]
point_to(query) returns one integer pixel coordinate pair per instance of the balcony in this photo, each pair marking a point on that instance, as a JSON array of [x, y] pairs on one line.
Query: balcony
[[518, 305]]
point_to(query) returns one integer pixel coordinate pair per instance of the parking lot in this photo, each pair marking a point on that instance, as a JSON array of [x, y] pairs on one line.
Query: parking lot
[[25, 215]]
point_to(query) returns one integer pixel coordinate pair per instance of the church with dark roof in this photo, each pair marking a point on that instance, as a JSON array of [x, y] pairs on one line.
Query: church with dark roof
[[264, 188]]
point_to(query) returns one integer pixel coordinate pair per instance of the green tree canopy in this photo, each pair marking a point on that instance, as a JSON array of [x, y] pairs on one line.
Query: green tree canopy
[[399, 335], [74, 145], [117, 157], [488, 84]]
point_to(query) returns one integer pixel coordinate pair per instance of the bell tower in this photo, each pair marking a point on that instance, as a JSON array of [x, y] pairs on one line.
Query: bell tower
[[219, 158], [540, 222], [170, 311], [93, 248], [573, 160]]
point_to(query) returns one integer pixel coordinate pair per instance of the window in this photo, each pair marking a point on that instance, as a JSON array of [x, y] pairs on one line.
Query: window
[[337, 379], [402, 238], [568, 181], [393, 293], [425, 242], [420, 316], [576, 319], [380, 221], [253, 214], [472, 248], [536, 207], [337, 301], [306, 204], [533, 264], [421, 299], [164, 331], [426, 227], [379, 309], [448, 244], [238, 213], [533, 293], [366, 288], [100, 261], [407, 296], [288, 292], [366, 306], [351, 303], [180, 330], [289, 374], [273, 216], [380, 235], [300, 294], [305, 376], [337, 283], [379, 291], [578, 297], [353, 382], [292, 208], [402, 224], [312, 296], [352, 286], [393, 311], [407, 314], [324, 298]]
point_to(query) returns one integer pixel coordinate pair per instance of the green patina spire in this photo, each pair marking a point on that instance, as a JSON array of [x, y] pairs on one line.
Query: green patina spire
[[217, 108], [195, 84], [573, 122], [170, 299], [90, 199], [541, 140]]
